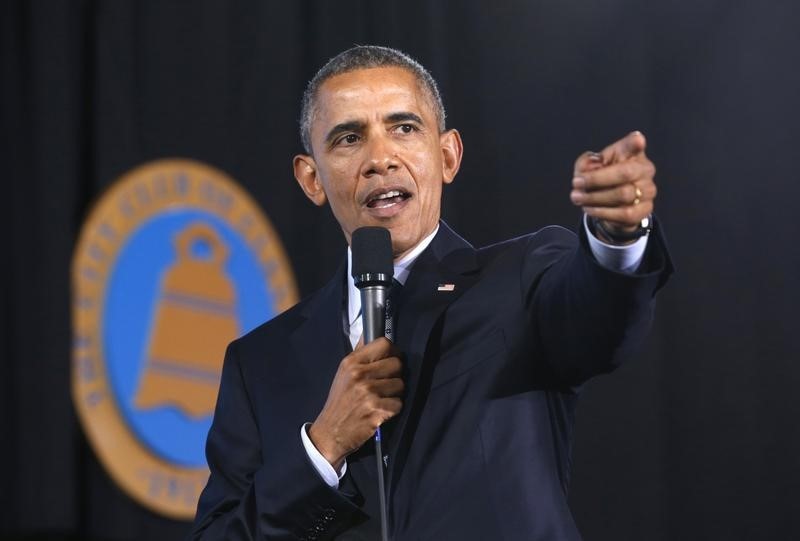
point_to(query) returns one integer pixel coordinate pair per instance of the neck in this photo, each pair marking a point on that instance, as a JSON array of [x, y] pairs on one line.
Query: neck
[[417, 248]]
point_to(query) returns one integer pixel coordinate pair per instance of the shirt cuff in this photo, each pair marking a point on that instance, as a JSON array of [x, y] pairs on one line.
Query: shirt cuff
[[323, 467], [618, 258]]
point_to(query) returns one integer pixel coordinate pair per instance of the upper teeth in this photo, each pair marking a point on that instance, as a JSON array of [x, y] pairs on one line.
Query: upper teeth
[[393, 193]]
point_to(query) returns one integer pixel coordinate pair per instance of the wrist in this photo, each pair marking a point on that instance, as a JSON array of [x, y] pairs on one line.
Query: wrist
[[326, 446], [619, 235]]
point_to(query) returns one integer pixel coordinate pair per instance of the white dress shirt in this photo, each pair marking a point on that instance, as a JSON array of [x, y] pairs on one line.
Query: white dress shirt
[[619, 258]]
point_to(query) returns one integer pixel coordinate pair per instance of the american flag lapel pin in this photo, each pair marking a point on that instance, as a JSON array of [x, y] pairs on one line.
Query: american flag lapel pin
[[446, 287]]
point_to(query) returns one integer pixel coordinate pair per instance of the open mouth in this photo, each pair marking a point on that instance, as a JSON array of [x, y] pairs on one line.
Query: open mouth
[[387, 199]]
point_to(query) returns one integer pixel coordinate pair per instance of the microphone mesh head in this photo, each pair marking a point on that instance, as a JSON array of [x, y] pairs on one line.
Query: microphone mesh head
[[372, 251]]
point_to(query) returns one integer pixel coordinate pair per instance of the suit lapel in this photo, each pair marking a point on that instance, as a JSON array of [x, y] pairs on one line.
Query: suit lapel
[[318, 341], [448, 261]]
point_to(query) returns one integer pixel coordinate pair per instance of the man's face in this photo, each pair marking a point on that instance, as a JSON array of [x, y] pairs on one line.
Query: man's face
[[378, 156]]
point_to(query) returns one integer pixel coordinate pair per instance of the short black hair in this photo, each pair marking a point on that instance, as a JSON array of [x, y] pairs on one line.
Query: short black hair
[[366, 57]]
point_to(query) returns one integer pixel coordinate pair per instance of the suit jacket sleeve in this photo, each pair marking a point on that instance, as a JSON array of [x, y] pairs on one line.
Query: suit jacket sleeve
[[589, 318], [257, 493]]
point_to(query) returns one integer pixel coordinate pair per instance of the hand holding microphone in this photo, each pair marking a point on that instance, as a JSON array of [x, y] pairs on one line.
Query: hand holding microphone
[[367, 388], [364, 394]]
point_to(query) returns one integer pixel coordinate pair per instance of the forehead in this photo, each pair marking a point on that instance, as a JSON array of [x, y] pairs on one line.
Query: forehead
[[363, 93]]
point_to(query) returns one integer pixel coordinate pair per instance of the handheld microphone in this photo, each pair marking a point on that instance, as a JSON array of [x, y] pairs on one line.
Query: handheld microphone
[[373, 270]]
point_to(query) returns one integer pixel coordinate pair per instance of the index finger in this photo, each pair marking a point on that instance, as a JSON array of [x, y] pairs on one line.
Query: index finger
[[360, 343], [631, 171], [629, 146]]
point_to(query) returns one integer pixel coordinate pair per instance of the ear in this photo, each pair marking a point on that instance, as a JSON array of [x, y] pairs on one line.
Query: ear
[[452, 151], [305, 171]]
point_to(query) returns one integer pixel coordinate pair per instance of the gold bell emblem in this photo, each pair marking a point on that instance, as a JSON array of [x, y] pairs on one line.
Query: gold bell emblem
[[194, 322]]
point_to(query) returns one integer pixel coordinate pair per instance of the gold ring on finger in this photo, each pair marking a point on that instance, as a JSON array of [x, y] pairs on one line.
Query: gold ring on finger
[[638, 198]]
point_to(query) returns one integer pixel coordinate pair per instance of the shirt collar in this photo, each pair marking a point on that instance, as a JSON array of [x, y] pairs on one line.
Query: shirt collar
[[402, 268]]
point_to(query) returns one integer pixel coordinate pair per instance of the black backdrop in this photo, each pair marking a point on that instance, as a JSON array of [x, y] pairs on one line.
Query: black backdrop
[[697, 439]]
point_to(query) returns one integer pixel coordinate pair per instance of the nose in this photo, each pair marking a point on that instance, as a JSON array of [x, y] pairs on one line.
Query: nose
[[381, 157]]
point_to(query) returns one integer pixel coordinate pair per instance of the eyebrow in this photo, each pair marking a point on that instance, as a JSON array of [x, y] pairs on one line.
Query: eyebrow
[[403, 117], [358, 126], [353, 125]]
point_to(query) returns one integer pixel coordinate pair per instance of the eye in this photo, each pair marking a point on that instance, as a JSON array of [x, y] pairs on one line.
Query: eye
[[349, 139], [406, 128]]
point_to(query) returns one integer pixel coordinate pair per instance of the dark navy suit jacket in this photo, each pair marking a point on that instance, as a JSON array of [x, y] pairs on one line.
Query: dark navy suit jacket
[[481, 449]]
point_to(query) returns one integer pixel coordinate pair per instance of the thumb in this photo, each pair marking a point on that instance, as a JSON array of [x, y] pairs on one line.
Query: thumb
[[629, 146]]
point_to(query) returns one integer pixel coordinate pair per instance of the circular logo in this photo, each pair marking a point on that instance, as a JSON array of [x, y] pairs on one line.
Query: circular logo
[[174, 262]]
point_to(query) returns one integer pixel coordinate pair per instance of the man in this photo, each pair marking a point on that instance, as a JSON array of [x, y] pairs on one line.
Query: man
[[490, 348]]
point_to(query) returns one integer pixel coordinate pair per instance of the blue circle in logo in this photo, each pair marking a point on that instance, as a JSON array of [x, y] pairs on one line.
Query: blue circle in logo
[[132, 300]]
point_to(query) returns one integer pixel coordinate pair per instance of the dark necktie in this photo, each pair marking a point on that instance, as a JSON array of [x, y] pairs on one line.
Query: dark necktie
[[391, 309], [390, 331]]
